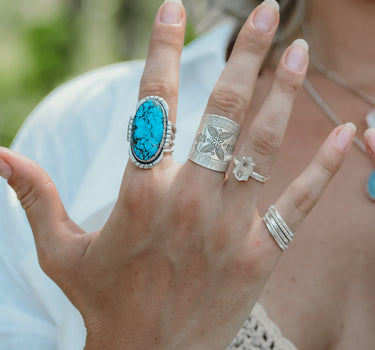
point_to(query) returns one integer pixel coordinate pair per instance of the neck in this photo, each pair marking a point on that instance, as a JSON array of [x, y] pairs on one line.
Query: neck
[[343, 37]]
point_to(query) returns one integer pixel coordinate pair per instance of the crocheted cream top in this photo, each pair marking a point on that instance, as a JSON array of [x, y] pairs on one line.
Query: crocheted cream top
[[260, 333]]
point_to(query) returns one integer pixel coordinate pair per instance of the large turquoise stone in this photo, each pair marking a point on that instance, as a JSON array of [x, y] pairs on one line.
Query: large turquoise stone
[[371, 186], [148, 131]]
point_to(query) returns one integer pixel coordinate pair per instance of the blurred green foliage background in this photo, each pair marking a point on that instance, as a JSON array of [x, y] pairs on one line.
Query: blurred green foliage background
[[47, 42]]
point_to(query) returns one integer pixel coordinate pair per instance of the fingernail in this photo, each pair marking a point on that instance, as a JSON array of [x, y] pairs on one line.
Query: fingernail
[[370, 139], [5, 170], [266, 15], [345, 136], [296, 59], [171, 12]]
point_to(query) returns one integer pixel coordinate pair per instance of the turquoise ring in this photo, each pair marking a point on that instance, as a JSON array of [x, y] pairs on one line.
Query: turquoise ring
[[150, 133]]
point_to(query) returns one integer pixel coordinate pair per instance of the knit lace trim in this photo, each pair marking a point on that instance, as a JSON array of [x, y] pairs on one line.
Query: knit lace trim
[[260, 333]]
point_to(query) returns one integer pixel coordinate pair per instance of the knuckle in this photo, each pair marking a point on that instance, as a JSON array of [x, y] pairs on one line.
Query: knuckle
[[188, 211], [166, 39], [304, 198], [288, 82], [28, 195], [249, 40], [140, 196], [157, 87], [330, 163], [219, 239], [229, 102], [265, 141]]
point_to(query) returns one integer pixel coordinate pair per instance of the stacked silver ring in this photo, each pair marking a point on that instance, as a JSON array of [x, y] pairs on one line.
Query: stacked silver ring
[[278, 228]]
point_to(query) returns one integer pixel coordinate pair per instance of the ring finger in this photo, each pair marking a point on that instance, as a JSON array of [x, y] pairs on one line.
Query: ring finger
[[268, 129], [232, 94]]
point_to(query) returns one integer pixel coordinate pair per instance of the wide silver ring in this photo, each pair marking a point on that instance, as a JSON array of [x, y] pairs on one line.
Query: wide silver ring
[[278, 228], [244, 169], [150, 133], [215, 142]]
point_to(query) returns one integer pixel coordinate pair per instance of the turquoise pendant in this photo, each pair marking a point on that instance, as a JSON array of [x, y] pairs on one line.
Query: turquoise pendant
[[371, 186]]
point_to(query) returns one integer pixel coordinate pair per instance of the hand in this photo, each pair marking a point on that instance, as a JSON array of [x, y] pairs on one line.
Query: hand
[[184, 254]]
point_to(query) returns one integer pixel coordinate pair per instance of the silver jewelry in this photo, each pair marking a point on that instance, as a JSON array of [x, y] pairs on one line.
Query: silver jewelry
[[278, 228], [244, 169], [215, 142], [150, 133], [370, 185], [370, 118], [339, 81], [328, 111]]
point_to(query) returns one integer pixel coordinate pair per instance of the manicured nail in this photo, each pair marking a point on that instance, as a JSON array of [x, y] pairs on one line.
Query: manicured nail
[[171, 12], [371, 119], [345, 136], [266, 15], [296, 59], [5, 170], [370, 139]]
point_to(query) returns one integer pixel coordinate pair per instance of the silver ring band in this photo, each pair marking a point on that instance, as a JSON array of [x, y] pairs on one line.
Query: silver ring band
[[244, 169], [215, 142], [274, 231], [278, 228], [150, 133], [282, 224]]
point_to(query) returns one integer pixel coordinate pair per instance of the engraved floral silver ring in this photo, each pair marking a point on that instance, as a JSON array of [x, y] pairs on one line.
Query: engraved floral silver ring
[[215, 142], [150, 133], [244, 169]]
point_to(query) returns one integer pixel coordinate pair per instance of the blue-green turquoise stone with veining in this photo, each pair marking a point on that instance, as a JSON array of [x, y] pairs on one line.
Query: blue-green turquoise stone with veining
[[148, 131], [371, 186]]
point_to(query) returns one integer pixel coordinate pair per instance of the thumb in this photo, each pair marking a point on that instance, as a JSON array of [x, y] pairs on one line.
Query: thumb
[[39, 198]]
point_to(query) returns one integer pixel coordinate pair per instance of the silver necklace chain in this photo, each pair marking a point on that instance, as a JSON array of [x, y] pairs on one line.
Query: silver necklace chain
[[317, 98], [328, 111], [340, 81]]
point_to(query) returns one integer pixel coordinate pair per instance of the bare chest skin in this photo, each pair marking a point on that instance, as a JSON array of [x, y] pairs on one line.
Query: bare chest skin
[[322, 292]]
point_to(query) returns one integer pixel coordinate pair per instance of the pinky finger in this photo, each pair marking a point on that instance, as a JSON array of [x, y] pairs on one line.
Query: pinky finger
[[304, 192]]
